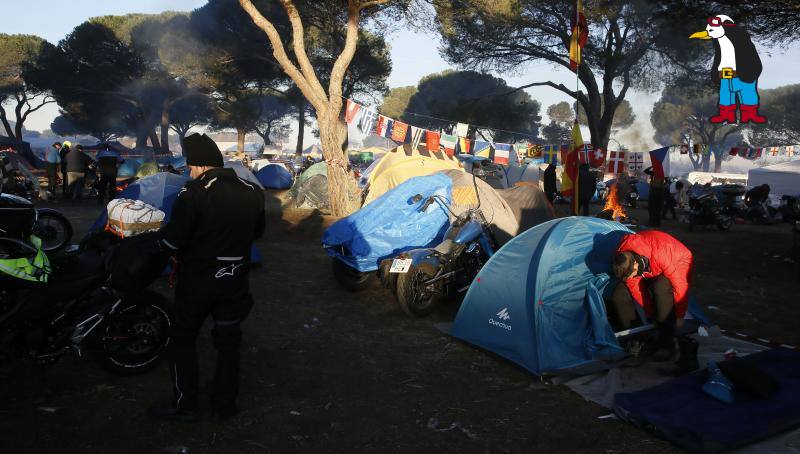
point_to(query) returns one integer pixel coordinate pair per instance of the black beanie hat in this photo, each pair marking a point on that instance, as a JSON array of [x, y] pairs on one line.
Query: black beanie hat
[[201, 151]]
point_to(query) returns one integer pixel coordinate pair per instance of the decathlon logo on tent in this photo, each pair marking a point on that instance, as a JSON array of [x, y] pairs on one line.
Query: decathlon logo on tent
[[502, 315]]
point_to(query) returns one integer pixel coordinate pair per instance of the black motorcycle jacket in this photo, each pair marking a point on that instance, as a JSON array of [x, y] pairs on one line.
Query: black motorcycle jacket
[[215, 217]]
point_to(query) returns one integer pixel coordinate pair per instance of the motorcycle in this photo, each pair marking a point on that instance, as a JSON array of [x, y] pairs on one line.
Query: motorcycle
[[52, 227], [705, 210], [73, 306], [421, 278]]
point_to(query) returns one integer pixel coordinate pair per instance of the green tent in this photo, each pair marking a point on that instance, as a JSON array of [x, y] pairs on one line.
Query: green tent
[[311, 187], [147, 169]]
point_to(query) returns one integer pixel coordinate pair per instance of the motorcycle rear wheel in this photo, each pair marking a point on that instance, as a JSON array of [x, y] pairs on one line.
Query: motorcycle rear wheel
[[725, 224], [53, 228], [412, 298], [135, 337]]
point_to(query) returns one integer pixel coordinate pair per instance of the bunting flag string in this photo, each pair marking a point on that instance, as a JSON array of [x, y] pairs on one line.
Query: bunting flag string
[[369, 121]]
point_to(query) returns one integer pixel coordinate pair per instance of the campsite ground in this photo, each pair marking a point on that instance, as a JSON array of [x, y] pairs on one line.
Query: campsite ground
[[325, 370]]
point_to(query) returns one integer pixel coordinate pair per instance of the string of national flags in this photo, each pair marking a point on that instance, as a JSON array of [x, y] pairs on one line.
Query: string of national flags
[[751, 153], [370, 121]]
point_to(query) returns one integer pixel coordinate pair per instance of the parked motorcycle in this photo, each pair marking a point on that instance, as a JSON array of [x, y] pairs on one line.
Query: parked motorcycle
[[49, 225], [705, 210], [421, 278], [48, 309]]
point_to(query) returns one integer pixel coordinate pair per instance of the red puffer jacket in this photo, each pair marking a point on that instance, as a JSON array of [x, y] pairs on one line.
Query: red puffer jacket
[[667, 256]]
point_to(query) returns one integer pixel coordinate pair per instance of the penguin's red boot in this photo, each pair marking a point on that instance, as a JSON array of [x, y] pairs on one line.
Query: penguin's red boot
[[726, 113], [750, 113]]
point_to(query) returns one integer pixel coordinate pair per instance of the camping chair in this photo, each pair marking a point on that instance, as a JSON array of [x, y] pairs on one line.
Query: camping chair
[[644, 327]]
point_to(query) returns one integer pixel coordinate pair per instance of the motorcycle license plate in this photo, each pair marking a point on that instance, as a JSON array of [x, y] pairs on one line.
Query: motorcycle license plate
[[400, 266]]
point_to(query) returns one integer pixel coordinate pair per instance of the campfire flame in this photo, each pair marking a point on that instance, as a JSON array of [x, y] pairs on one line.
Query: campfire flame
[[612, 203]]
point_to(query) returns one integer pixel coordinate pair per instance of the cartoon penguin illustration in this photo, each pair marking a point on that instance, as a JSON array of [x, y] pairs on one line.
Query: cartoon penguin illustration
[[736, 69]]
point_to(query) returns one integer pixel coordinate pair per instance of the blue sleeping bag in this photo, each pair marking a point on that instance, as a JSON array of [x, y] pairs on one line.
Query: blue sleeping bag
[[391, 224], [680, 412]]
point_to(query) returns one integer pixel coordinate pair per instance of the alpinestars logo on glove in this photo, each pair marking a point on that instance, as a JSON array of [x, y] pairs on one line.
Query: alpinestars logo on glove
[[502, 315], [228, 270]]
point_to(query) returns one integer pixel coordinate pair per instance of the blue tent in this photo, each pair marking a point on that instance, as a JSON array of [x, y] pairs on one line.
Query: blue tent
[[159, 190], [390, 224], [274, 176], [538, 301]]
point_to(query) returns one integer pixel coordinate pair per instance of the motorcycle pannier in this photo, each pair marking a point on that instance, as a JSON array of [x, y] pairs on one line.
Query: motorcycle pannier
[[127, 218]]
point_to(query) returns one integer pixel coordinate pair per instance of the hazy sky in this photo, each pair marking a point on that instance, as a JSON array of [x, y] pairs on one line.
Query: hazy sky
[[414, 55]]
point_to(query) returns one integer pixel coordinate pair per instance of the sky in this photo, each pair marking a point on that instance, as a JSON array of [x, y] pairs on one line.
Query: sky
[[414, 55]]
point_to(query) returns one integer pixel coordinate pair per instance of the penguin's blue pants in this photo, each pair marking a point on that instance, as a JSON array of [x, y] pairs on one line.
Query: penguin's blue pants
[[730, 88]]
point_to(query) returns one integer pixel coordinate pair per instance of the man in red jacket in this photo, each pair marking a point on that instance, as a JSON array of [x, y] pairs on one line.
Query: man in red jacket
[[654, 268]]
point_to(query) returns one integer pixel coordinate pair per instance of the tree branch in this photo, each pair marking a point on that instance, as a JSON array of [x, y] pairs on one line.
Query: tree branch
[[279, 52], [299, 46]]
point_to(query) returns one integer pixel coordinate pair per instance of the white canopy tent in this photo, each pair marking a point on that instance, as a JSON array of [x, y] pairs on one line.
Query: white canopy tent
[[783, 178]]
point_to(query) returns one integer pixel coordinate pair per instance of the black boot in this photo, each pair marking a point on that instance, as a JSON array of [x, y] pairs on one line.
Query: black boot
[[687, 361]]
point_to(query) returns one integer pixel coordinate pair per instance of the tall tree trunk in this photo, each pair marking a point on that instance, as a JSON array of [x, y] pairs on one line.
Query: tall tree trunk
[[718, 161], [6, 124], [181, 137], [141, 136], [301, 128], [150, 152], [18, 129], [165, 127], [240, 136], [341, 184]]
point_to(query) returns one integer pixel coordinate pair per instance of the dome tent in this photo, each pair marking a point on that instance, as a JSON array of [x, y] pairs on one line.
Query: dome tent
[[538, 302], [403, 163], [310, 189], [274, 176]]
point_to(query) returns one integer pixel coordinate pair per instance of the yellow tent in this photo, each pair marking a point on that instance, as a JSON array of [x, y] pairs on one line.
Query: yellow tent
[[402, 163]]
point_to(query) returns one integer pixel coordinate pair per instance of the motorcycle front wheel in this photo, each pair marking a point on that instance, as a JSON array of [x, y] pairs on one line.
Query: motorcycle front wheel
[[53, 228], [135, 337], [725, 223], [413, 296]]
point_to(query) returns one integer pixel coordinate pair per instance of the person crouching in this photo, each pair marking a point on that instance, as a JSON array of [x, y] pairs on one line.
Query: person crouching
[[654, 269]]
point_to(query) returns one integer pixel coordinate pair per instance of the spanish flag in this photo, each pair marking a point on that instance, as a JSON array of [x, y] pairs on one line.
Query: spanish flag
[[580, 34]]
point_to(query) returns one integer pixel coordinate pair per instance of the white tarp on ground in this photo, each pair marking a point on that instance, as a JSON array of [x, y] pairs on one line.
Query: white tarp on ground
[[243, 172], [602, 386], [783, 178], [716, 178]]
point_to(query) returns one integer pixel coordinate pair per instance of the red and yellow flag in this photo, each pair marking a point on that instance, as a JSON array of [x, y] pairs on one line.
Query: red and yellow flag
[[580, 34]]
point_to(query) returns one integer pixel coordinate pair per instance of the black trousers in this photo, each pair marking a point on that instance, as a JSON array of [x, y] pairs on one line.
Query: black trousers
[[669, 207], [622, 311], [64, 182], [583, 207], [655, 204], [228, 302], [52, 176], [108, 186]]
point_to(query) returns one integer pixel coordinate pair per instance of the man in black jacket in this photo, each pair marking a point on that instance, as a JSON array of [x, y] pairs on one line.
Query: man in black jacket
[[214, 221], [550, 182]]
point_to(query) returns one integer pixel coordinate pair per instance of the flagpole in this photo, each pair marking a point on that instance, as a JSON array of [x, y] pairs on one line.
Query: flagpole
[[577, 90]]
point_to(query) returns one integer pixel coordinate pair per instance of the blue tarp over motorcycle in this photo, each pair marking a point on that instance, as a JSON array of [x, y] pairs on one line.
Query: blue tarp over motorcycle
[[391, 224]]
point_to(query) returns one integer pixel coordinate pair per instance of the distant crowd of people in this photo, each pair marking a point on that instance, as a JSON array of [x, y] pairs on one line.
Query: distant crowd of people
[[74, 170]]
